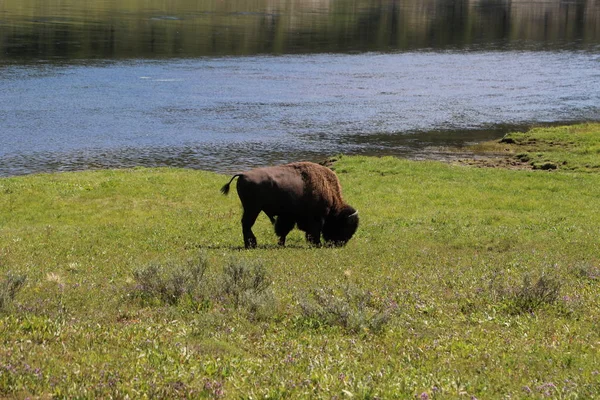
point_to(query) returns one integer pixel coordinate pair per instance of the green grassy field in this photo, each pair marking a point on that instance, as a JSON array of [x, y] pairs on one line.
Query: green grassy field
[[461, 282]]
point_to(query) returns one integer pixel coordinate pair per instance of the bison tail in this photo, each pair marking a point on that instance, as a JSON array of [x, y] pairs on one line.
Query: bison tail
[[225, 188]]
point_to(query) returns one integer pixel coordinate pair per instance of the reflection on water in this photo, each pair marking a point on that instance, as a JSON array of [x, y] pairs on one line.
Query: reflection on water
[[75, 29]]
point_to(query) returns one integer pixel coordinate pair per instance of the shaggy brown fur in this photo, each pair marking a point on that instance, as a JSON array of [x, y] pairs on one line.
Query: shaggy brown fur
[[304, 194]]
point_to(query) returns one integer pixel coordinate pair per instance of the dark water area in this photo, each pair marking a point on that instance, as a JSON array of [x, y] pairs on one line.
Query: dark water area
[[126, 29], [228, 85]]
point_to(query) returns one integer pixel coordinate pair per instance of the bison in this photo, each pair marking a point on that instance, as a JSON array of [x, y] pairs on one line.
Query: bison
[[302, 194]]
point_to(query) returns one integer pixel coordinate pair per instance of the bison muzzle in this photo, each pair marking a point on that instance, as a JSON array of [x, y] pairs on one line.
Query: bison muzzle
[[302, 194]]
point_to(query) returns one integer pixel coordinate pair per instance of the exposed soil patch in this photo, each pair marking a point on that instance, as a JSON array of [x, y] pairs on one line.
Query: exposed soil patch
[[508, 162], [570, 148]]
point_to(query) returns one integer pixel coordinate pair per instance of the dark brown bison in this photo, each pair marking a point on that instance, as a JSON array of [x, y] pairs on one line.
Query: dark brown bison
[[302, 194]]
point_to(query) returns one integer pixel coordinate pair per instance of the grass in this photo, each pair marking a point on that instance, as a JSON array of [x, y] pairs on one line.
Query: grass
[[460, 282], [570, 148]]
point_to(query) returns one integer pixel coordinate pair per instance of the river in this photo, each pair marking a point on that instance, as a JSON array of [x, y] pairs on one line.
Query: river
[[223, 87]]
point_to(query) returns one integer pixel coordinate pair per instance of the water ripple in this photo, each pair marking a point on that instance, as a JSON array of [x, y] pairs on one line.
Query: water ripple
[[229, 113]]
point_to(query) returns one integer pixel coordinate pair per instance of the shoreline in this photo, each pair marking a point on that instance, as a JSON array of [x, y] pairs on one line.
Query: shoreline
[[200, 158], [565, 147]]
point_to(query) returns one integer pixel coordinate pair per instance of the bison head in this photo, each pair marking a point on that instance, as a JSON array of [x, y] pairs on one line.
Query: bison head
[[339, 227]]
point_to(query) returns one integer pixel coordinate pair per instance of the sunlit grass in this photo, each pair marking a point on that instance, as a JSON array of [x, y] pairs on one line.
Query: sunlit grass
[[574, 147], [485, 280]]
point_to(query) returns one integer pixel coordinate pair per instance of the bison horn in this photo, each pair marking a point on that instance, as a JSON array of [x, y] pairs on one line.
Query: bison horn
[[354, 214]]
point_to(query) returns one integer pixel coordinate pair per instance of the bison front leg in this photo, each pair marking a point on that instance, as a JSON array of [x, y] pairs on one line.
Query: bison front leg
[[312, 226], [248, 219], [313, 233], [314, 239], [283, 226]]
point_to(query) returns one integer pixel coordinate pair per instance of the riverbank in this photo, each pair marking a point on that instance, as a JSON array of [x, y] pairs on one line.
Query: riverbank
[[460, 282], [566, 148]]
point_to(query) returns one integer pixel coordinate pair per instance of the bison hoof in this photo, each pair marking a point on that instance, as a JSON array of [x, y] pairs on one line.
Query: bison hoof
[[250, 244]]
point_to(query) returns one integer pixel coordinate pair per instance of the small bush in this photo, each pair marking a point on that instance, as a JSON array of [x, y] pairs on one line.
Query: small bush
[[503, 293], [351, 308], [587, 271], [533, 295], [9, 288], [242, 285], [154, 283], [246, 286]]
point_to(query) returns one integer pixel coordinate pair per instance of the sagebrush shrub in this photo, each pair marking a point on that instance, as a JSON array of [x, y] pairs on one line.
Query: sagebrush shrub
[[532, 295], [246, 285], [168, 284], [9, 287], [587, 271], [350, 307]]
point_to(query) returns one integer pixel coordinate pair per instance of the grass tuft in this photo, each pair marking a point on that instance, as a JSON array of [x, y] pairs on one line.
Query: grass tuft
[[246, 285], [587, 271], [349, 307], [9, 287], [533, 295], [169, 284]]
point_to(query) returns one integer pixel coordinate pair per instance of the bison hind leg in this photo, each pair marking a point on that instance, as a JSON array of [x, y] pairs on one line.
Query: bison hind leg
[[283, 225], [248, 219]]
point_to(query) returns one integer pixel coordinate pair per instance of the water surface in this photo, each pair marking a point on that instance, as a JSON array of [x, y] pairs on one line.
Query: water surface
[[226, 85]]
